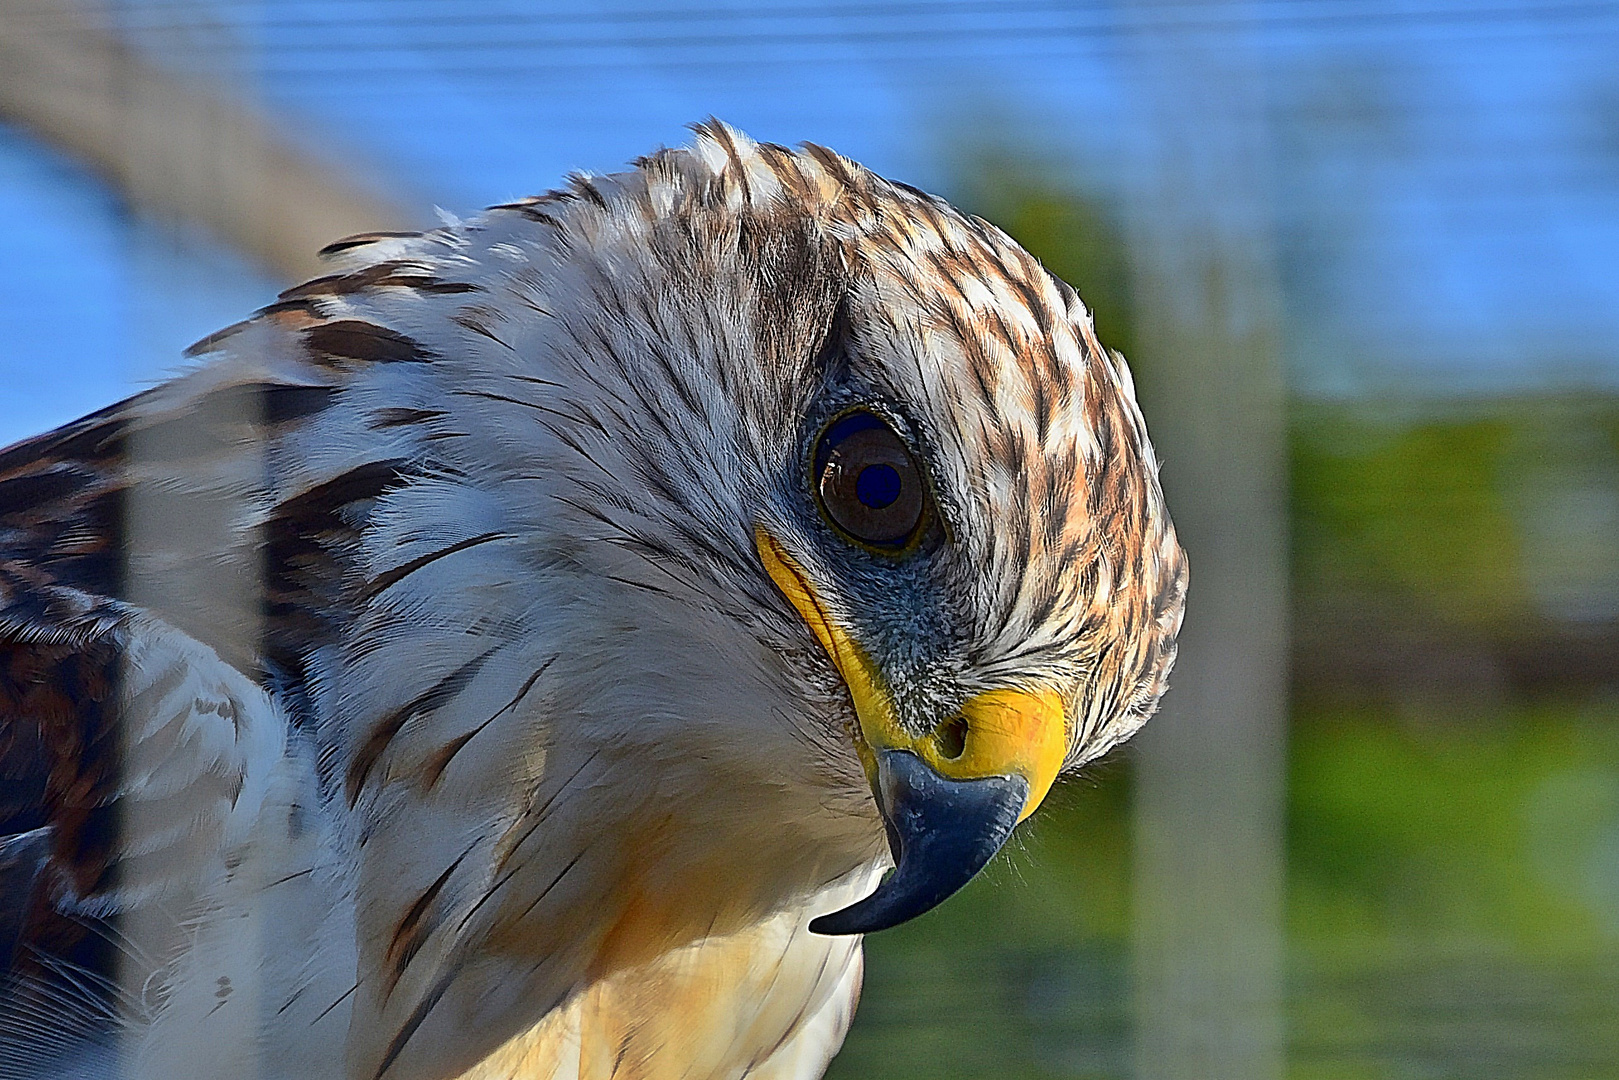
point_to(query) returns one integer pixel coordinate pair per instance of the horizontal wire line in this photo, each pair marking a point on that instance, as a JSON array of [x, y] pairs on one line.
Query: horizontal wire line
[[339, 12], [1094, 20], [285, 62]]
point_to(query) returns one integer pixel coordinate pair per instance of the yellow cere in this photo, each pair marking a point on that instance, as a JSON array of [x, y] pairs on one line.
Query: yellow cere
[[1007, 732]]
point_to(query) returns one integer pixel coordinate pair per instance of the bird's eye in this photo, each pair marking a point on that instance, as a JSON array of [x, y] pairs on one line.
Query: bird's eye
[[867, 482]]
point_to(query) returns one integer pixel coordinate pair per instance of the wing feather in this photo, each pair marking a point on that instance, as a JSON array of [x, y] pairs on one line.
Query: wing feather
[[139, 743], [136, 763]]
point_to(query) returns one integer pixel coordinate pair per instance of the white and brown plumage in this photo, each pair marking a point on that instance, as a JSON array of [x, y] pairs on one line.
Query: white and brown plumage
[[485, 664]]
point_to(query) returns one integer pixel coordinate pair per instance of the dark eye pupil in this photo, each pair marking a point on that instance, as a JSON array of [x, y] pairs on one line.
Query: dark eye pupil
[[877, 486], [867, 482]]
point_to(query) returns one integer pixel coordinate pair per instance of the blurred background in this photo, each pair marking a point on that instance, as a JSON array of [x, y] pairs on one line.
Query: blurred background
[[1364, 257]]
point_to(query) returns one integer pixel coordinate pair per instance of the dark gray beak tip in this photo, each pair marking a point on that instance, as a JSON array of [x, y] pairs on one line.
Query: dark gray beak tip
[[942, 832]]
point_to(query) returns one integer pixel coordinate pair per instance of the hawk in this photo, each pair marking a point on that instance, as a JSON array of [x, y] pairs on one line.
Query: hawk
[[523, 651]]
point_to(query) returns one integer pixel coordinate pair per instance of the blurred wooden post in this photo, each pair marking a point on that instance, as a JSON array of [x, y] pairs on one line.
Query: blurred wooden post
[[1210, 768], [180, 149]]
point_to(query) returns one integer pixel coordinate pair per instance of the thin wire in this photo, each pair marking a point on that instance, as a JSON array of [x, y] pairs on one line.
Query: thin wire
[[721, 57], [363, 13], [1322, 13], [409, 58], [332, 13]]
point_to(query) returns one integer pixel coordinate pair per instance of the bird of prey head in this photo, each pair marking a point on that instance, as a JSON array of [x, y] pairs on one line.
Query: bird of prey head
[[631, 571]]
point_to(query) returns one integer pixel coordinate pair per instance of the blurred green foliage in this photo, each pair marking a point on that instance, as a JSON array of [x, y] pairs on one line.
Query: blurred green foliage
[[1406, 509], [1462, 551], [1405, 838], [1453, 895]]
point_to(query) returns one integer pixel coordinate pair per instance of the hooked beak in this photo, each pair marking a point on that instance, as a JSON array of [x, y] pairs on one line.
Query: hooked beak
[[950, 797], [941, 832]]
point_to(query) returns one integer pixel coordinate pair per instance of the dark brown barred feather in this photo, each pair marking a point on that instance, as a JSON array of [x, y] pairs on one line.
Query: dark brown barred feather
[[213, 341], [96, 440], [382, 732], [356, 339], [307, 306], [836, 167], [318, 506], [282, 404], [348, 243], [400, 416], [399, 573], [394, 273], [410, 932], [738, 170], [54, 482], [290, 314], [533, 213], [585, 187], [474, 321], [308, 541]]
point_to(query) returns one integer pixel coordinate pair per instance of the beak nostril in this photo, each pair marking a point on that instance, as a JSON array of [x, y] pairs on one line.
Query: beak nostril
[[951, 738]]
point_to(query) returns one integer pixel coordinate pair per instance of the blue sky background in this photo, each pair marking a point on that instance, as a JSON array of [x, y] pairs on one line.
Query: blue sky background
[[1446, 174]]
